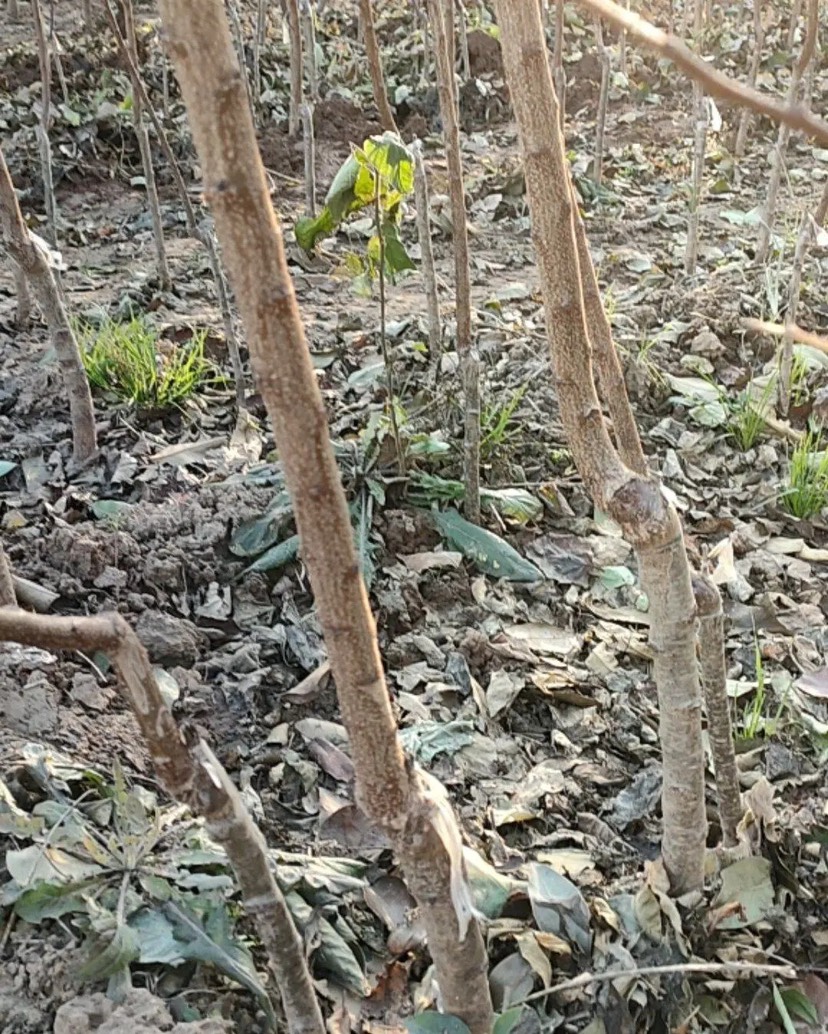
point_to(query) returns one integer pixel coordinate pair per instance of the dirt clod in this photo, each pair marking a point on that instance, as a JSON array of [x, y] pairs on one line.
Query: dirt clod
[[140, 1013], [170, 640]]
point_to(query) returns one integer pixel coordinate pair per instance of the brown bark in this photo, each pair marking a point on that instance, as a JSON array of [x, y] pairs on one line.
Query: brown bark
[[296, 70], [778, 153], [309, 35], [309, 154], [23, 312], [805, 235], [691, 252], [611, 381], [372, 53], [714, 685], [392, 793], [7, 594], [237, 34], [636, 502], [42, 131], [427, 257], [25, 253], [465, 60], [142, 136], [440, 12], [603, 102], [753, 74], [558, 70], [190, 773]]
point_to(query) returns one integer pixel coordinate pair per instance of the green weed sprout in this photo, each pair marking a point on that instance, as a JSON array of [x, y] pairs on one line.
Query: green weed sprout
[[496, 424], [746, 415], [807, 491], [755, 721]]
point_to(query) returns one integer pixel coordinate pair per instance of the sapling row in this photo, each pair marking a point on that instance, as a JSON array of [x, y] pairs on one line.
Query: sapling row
[[405, 802]]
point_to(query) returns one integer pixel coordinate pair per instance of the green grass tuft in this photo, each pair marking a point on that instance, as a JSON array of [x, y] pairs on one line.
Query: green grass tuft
[[126, 360], [807, 491]]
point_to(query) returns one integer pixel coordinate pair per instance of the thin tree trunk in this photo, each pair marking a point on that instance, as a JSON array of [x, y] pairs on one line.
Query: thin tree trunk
[[258, 43], [203, 233], [783, 134], [55, 49], [423, 6], [603, 100], [372, 53], [440, 11], [435, 333], [622, 46], [144, 145], [809, 224], [465, 60], [557, 60], [682, 29], [88, 20], [395, 795], [611, 383], [309, 34], [25, 253], [191, 773], [42, 131], [691, 253], [635, 502], [753, 75], [12, 11], [238, 41], [714, 685], [451, 42], [296, 70], [7, 594], [23, 312], [165, 83], [796, 10], [309, 149]]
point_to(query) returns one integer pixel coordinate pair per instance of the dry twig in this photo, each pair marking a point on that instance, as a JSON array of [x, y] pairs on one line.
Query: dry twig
[[797, 116]]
